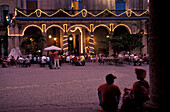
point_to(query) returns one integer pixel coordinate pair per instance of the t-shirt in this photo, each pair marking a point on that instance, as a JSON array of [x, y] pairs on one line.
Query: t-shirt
[[141, 91], [110, 93], [56, 55]]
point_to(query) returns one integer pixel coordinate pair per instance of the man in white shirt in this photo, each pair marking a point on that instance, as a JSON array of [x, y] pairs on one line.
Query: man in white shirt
[[43, 60]]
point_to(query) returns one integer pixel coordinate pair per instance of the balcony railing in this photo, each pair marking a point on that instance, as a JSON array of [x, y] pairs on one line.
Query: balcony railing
[[80, 13]]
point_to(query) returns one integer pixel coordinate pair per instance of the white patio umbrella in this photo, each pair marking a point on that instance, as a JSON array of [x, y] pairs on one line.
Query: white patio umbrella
[[52, 48]]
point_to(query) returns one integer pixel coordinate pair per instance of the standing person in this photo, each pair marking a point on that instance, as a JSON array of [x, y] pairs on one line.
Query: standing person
[[141, 89], [51, 60], [27, 61], [135, 59], [43, 61], [56, 60], [109, 94]]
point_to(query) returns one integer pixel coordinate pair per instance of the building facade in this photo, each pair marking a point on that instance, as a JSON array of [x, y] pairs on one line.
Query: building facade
[[78, 25]]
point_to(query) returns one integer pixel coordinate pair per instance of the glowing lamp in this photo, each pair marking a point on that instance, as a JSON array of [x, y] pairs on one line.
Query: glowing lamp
[[49, 36], [71, 38]]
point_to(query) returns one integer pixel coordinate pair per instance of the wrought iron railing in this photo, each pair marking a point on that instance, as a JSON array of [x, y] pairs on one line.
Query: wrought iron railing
[[80, 13]]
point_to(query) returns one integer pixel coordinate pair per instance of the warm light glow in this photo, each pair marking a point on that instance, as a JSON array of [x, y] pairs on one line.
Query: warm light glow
[[80, 29], [84, 13], [6, 17], [109, 29], [65, 44], [49, 36], [78, 25], [70, 38], [107, 36], [55, 39], [31, 40], [22, 34], [54, 25], [130, 31]]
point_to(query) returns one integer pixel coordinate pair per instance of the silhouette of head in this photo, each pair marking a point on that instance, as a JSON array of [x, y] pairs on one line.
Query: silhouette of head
[[110, 78]]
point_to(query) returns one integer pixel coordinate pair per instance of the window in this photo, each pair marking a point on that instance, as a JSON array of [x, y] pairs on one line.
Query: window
[[120, 5], [76, 4], [4, 13], [31, 5]]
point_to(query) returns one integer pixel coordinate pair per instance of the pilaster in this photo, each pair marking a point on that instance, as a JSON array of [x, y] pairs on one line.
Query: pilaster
[[91, 43], [158, 64]]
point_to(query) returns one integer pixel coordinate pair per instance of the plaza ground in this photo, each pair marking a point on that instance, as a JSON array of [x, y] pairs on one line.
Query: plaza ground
[[69, 89]]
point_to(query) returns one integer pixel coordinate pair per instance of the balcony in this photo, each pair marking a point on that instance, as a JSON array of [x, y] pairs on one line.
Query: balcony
[[38, 14]]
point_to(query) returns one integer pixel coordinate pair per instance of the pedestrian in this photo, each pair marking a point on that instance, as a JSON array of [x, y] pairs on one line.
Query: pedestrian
[[141, 89], [51, 60], [109, 94], [56, 60], [27, 62], [43, 61], [135, 59]]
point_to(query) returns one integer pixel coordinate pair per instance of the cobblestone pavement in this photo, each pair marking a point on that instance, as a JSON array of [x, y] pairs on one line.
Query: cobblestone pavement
[[69, 89]]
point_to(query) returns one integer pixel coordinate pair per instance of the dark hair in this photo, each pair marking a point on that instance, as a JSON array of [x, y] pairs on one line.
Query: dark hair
[[110, 78], [139, 72]]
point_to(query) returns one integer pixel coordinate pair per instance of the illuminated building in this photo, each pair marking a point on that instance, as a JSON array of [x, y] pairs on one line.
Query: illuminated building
[[76, 24]]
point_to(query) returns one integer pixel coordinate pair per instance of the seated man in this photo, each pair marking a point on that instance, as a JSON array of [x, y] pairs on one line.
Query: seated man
[[109, 94], [75, 60]]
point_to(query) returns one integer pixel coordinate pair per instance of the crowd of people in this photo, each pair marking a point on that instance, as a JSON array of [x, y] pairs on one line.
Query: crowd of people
[[54, 59], [130, 58]]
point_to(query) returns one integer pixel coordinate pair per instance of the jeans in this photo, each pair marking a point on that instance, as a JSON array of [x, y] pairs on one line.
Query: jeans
[[56, 61], [107, 107]]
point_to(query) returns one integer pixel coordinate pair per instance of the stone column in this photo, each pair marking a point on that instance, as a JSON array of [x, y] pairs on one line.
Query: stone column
[[65, 43], [74, 40], [44, 43], [91, 43], [16, 37], [110, 45], [61, 38], [158, 44]]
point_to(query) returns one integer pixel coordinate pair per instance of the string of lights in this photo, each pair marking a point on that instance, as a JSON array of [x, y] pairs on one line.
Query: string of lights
[[83, 12]]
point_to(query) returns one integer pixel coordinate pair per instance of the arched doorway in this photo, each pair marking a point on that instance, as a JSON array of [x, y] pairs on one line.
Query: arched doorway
[[121, 30], [32, 41], [78, 40], [54, 37], [123, 40], [101, 36]]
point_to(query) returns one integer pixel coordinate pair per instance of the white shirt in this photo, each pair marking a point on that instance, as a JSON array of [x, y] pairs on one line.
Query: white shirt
[[43, 59]]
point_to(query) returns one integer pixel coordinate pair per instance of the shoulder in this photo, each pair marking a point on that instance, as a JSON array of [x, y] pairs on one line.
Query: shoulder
[[117, 89], [146, 84], [101, 86], [136, 84]]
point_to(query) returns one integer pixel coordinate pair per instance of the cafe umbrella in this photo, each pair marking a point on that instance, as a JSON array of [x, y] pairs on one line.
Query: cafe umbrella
[[52, 48]]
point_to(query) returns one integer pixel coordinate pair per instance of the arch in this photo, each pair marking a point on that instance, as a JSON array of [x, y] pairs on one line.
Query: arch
[[79, 25], [130, 31], [54, 25], [101, 33], [32, 25], [81, 38], [102, 25]]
